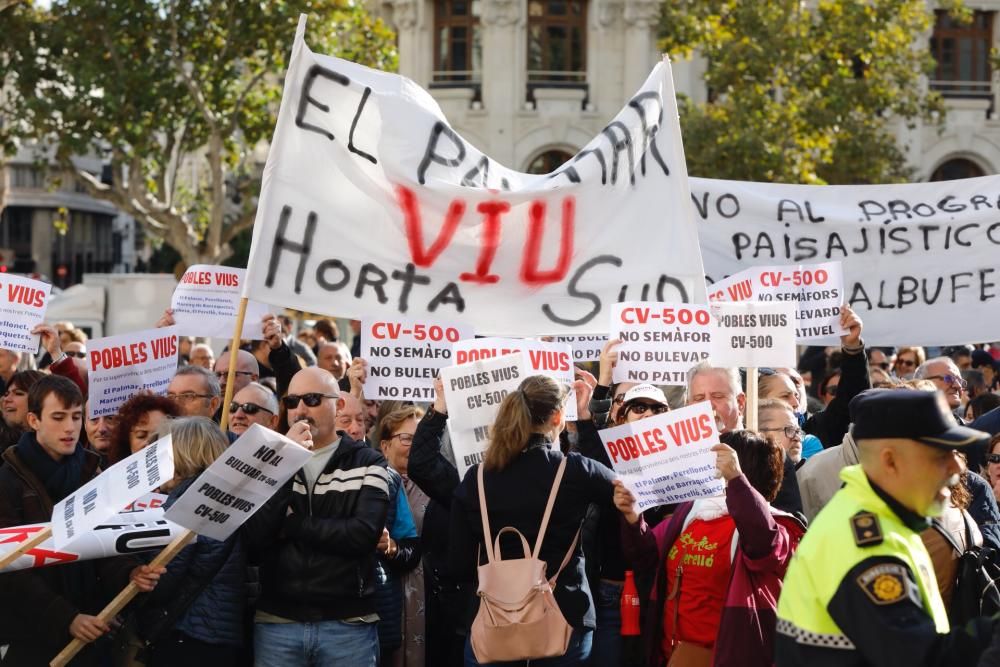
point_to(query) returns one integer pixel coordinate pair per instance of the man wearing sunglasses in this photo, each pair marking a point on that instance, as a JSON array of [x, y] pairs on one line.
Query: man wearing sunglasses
[[316, 541], [253, 404], [945, 375]]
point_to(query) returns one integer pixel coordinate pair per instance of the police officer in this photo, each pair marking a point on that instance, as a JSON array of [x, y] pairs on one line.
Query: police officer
[[861, 588]]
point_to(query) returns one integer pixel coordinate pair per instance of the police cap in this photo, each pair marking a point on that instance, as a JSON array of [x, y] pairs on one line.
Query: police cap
[[914, 415]]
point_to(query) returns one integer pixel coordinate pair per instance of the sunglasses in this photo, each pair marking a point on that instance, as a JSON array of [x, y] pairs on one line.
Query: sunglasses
[[643, 408], [906, 362], [883, 365], [311, 399], [248, 408], [993, 458], [78, 355], [222, 375], [949, 379]]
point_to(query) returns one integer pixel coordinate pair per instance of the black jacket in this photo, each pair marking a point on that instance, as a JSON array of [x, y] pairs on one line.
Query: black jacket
[[831, 424], [214, 573], [516, 496], [316, 547]]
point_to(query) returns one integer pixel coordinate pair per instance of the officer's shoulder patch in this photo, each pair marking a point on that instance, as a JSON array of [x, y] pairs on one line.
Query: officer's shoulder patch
[[886, 583], [867, 530]]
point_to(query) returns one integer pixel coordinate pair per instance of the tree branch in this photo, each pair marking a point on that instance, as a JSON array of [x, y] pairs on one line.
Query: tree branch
[[183, 72]]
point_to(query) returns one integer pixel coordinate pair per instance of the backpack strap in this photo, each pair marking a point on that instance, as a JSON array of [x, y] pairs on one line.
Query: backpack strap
[[487, 537], [548, 509]]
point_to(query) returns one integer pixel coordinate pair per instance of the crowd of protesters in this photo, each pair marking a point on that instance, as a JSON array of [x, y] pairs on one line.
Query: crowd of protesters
[[371, 554]]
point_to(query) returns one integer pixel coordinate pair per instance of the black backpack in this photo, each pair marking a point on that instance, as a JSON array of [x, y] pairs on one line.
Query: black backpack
[[977, 580]]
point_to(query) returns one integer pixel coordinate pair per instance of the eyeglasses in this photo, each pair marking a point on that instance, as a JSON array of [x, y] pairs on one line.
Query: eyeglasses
[[404, 438], [791, 432], [187, 396], [948, 378], [993, 458], [311, 399], [883, 365], [906, 362], [78, 355], [642, 408], [766, 371], [249, 408], [222, 375]]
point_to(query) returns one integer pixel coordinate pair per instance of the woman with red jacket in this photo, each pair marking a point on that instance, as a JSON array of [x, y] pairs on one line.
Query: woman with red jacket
[[719, 562]]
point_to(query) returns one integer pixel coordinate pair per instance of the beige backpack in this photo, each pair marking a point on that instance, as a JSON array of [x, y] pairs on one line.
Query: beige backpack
[[518, 616]]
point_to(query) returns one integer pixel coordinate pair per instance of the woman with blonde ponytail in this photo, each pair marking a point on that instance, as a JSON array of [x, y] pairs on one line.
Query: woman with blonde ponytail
[[519, 471]]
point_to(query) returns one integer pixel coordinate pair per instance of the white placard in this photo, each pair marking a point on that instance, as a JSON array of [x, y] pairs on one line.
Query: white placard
[[404, 356], [473, 393], [919, 259], [816, 289], [372, 205], [660, 341], [125, 533], [107, 494], [121, 366], [22, 307], [206, 302], [238, 483], [753, 334], [540, 357], [667, 458], [585, 348]]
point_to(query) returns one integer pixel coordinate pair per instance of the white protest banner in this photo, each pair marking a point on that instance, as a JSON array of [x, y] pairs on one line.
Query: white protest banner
[[666, 458], [121, 366], [101, 498], [207, 299], [753, 334], [238, 483], [371, 204], [919, 260], [660, 341], [22, 307], [816, 289], [404, 356], [473, 393], [125, 533], [540, 357], [585, 348]]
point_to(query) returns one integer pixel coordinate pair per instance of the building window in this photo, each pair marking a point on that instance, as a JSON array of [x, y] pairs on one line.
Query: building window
[[548, 162], [557, 41], [962, 52], [458, 53], [952, 170], [23, 176]]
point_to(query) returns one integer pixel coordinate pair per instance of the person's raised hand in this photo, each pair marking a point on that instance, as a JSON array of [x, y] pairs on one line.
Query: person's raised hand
[[849, 320], [145, 577], [584, 392], [727, 462], [439, 403], [609, 357], [272, 331], [166, 320], [625, 502], [87, 628], [357, 375], [50, 339]]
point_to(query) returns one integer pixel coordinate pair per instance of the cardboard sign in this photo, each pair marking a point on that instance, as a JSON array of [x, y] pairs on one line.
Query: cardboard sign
[[816, 289], [206, 302], [104, 496], [373, 205], [473, 393], [919, 260], [753, 334], [667, 458], [541, 358], [404, 356], [126, 533], [121, 366], [585, 348], [660, 341], [22, 307], [238, 483]]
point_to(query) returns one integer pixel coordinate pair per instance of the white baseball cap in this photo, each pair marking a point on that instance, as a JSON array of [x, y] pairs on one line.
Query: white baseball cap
[[647, 391]]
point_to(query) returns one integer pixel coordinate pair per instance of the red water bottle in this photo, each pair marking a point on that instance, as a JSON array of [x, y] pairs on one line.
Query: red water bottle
[[630, 607]]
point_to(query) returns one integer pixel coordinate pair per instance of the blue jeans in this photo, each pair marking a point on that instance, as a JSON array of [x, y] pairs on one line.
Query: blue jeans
[[577, 654], [315, 644], [608, 635]]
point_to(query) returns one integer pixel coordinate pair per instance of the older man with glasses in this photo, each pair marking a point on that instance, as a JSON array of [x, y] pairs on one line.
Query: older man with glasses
[[247, 370], [253, 404], [196, 391], [944, 373]]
